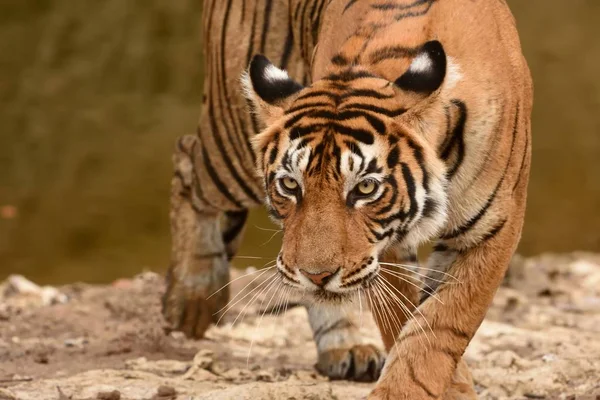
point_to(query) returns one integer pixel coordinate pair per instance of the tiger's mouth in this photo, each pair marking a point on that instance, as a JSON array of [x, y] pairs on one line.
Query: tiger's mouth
[[334, 287]]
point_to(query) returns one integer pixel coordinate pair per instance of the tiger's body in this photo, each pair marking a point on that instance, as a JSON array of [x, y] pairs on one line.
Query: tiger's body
[[397, 122]]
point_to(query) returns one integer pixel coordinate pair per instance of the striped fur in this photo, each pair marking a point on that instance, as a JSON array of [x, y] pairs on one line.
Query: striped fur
[[425, 103]]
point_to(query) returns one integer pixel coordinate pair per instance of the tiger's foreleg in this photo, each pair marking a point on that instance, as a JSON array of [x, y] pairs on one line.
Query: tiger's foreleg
[[427, 359], [199, 252]]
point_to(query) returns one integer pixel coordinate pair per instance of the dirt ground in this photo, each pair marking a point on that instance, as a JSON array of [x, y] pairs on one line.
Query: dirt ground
[[540, 340]]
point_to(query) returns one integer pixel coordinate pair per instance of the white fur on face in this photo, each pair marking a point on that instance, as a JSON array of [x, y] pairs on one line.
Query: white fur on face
[[299, 162], [453, 74]]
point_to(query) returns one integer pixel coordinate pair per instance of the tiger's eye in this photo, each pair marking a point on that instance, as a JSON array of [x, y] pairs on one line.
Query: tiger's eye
[[289, 183], [367, 187]]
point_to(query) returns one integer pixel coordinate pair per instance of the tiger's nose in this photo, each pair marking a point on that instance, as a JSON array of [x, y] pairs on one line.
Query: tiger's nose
[[320, 279]]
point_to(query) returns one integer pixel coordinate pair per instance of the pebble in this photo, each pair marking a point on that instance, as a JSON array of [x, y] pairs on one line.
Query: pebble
[[6, 394], [114, 395], [75, 342]]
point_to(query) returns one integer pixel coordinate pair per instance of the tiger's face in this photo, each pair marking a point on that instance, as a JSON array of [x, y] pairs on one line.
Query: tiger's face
[[345, 176]]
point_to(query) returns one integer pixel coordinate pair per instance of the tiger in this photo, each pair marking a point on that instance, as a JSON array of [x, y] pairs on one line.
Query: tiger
[[367, 128]]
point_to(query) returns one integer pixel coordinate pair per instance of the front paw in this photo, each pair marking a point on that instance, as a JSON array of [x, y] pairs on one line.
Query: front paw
[[362, 363]]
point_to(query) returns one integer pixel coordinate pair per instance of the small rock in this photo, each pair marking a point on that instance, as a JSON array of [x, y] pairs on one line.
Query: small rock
[[165, 393], [6, 394], [47, 295], [41, 358], [503, 359], [265, 376], [75, 342], [203, 359], [114, 395], [4, 312], [123, 284], [179, 336]]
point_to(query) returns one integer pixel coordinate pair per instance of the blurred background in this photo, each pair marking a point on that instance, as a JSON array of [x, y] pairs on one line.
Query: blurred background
[[94, 93]]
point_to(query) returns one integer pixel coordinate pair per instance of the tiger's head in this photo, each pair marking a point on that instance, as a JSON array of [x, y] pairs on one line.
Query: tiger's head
[[346, 170]]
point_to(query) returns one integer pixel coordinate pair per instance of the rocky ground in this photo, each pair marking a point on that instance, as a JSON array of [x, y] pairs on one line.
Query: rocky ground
[[540, 340]]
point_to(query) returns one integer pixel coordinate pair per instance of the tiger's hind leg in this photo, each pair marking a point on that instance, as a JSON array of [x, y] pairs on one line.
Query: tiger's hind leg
[[200, 250]]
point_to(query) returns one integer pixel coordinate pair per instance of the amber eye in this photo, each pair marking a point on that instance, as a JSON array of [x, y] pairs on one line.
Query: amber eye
[[289, 184], [366, 187]]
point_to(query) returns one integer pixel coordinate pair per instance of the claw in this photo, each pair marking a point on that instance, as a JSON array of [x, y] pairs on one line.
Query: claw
[[362, 363]]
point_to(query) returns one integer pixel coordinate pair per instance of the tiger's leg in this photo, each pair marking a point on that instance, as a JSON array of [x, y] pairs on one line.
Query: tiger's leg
[[426, 368], [199, 252], [402, 286]]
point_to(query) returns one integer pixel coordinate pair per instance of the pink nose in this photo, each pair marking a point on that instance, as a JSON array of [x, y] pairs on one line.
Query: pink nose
[[319, 279]]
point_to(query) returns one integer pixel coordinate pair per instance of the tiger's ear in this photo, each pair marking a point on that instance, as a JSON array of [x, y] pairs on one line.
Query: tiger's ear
[[269, 89], [427, 70]]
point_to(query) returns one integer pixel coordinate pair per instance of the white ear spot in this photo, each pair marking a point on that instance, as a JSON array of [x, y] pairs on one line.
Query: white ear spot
[[421, 63], [274, 74]]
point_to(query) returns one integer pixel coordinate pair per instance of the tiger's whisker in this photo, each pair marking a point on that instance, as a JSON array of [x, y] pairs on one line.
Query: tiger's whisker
[[251, 257], [271, 238], [432, 294], [407, 313], [411, 268], [232, 304], [263, 271], [394, 319], [405, 277], [265, 289], [277, 289], [384, 311], [238, 278], [415, 307], [422, 275], [374, 306], [360, 308], [267, 229]]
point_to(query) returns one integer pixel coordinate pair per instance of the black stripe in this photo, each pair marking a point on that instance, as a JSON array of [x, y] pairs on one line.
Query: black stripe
[[523, 161], [360, 135], [456, 141], [315, 16], [348, 76], [375, 109], [494, 231], [364, 93], [302, 28], [340, 60], [392, 52], [323, 330], [266, 23], [238, 220], [306, 106], [234, 131], [350, 4], [411, 189], [287, 49], [216, 180], [395, 6]]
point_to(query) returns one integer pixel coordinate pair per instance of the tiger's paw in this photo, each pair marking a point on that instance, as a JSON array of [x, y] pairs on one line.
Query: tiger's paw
[[192, 303], [362, 363]]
